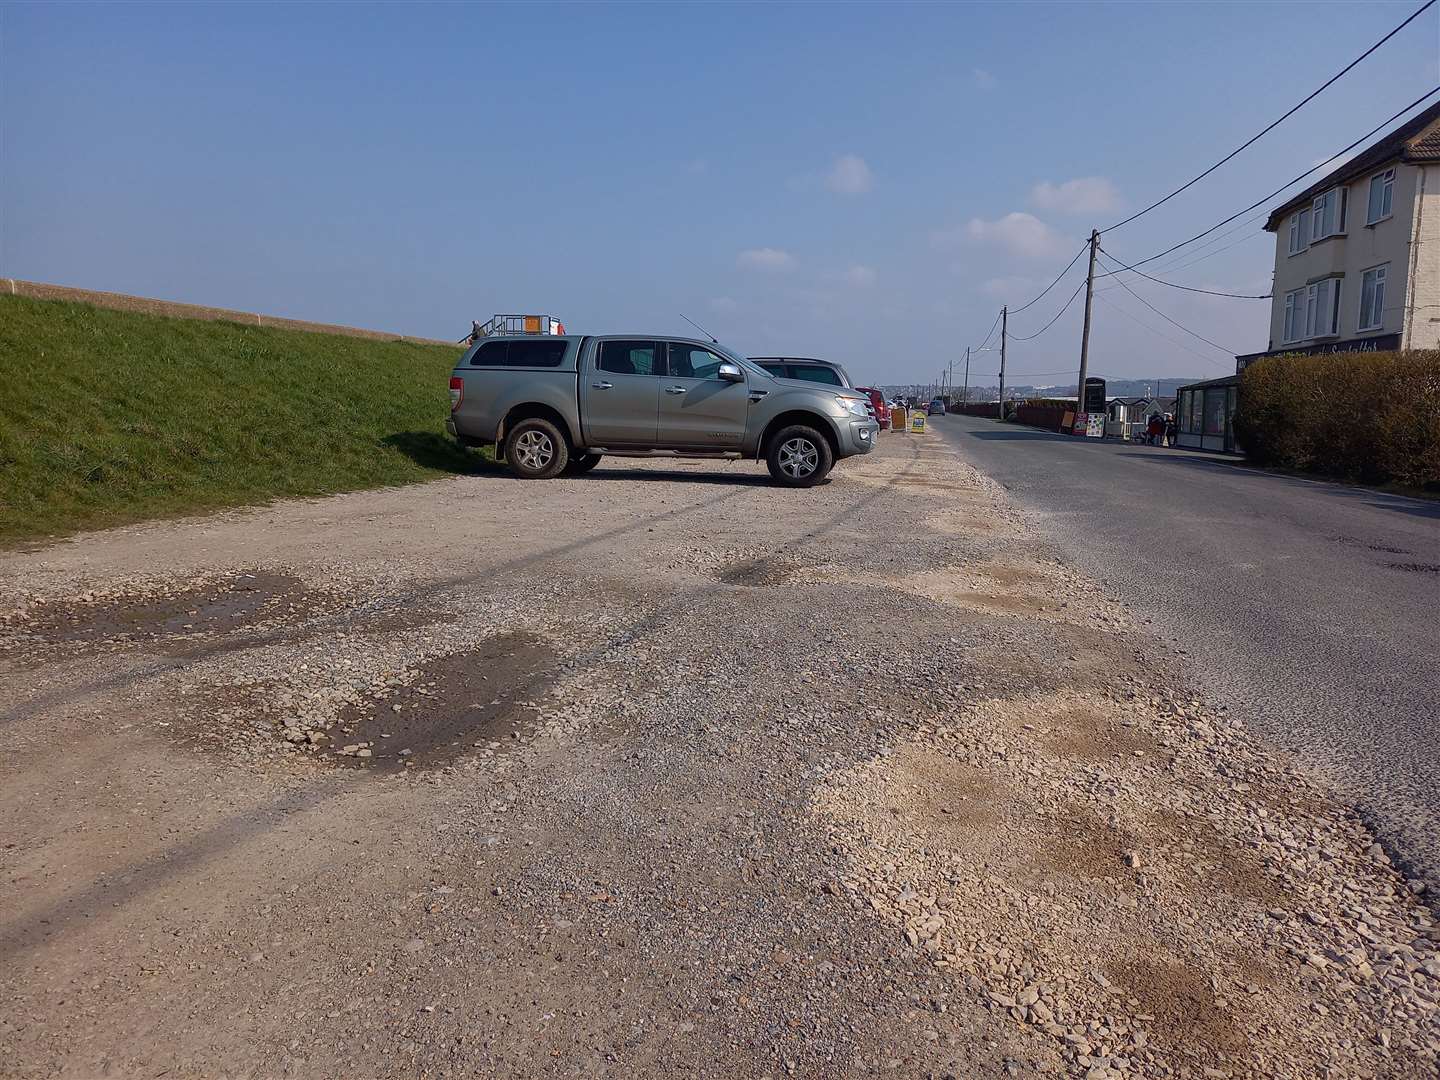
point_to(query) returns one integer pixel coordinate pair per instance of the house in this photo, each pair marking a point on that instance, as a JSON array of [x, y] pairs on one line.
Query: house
[[1357, 254], [1126, 417]]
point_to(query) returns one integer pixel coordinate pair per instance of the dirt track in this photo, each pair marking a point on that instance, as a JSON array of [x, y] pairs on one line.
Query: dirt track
[[662, 771]]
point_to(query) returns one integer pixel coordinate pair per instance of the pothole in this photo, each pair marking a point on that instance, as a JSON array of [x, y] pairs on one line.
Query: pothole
[[456, 705], [244, 600], [757, 573]]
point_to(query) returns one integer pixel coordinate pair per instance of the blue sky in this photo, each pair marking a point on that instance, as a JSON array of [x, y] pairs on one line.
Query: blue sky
[[831, 180]]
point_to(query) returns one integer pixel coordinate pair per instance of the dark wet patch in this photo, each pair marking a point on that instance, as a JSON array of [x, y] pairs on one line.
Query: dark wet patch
[[1416, 567], [455, 706], [757, 573], [245, 600]]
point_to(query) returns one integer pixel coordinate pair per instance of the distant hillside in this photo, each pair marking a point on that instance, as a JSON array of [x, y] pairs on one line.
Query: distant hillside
[[110, 417], [1113, 388]]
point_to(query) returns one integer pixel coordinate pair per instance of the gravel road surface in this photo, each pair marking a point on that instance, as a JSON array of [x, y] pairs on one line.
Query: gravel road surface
[[662, 771], [1308, 608]]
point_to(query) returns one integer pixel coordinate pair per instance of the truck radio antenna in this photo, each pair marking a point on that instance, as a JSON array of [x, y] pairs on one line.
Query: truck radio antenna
[[713, 339]]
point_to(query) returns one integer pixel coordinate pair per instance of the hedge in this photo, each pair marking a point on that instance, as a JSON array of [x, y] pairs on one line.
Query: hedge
[[1367, 417]]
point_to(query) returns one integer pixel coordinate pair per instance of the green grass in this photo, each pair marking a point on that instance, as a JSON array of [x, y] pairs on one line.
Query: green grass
[[109, 417]]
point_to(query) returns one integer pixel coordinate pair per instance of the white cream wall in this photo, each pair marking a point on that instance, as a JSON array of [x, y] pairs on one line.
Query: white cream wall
[[1422, 301], [1362, 247]]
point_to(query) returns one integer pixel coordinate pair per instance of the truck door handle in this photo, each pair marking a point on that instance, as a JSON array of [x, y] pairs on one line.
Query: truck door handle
[[602, 386], [674, 389]]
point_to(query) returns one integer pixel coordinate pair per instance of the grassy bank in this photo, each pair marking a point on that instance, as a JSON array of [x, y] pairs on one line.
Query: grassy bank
[[109, 417]]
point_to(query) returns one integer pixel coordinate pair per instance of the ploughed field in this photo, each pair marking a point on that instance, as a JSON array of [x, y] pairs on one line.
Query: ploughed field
[[659, 771]]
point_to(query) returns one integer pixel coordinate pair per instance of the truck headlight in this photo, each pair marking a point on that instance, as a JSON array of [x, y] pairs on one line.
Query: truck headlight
[[851, 406]]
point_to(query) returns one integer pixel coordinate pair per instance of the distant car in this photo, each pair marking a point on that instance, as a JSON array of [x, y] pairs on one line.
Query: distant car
[[937, 407], [805, 369], [879, 406]]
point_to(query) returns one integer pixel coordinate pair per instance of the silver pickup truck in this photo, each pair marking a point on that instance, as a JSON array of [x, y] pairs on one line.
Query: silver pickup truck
[[554, 405]]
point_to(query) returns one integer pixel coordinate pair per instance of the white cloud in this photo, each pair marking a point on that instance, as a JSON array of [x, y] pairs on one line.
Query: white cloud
[[1019, 234], [765, 258], [850, 175], [1083, 195], [723, 303], [862, 276], [983, 79]]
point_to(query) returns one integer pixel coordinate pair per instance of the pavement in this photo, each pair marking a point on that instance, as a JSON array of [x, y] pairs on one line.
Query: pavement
[[1309, 608]]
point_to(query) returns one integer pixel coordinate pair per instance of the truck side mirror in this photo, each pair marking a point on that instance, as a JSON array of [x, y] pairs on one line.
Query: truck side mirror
[[731, 372]]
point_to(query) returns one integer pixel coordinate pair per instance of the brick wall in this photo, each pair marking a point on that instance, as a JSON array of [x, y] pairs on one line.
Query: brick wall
[[173, 310]]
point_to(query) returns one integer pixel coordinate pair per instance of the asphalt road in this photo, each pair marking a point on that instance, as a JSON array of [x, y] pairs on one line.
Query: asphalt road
[[1312, 610]]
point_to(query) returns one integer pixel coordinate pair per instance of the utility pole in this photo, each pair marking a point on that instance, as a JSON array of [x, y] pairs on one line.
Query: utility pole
[[1004, 326], [1085, 334], [965, 394]]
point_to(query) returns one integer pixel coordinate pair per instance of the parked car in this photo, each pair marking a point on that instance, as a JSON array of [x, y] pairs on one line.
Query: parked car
[[556, 404], [804, 369], [937, 407], [879, 407]]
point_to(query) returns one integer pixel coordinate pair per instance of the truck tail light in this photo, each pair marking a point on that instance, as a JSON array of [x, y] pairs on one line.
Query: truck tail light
[[457, 391]]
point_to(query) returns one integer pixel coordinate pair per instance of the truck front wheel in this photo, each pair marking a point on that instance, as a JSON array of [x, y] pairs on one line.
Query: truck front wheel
[[535, 449], [581, 463], [799, 456]]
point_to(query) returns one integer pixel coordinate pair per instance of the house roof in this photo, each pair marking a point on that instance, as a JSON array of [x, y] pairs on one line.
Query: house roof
[[1418, 139], [1224, 380]]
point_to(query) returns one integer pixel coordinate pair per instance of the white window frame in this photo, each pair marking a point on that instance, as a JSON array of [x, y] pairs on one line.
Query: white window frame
[[1293, 322], [1327, 214], [1380, 274], [1322, 302], [1386, 177], [1299, 231]]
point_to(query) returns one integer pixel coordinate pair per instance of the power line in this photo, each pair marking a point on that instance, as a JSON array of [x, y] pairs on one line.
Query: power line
[[1178, 344], [1217, 251], [1186, 288], [1086, 245], [1031, 337], [991, 334], [1172, 322], [1260, 202], [1265, 131]]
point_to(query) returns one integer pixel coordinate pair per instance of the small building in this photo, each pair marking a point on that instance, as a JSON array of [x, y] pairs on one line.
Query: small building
[[1125, 417], [1205, 414], [1357, 254]]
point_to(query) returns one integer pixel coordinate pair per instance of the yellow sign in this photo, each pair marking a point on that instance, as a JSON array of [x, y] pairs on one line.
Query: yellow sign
[[917, 424]]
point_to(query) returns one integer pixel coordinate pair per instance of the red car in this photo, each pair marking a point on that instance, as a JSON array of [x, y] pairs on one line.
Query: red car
[[879, 407]]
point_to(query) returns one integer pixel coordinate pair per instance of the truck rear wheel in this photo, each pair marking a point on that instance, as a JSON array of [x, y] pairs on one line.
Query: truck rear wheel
[[535, 449], [799, 456]]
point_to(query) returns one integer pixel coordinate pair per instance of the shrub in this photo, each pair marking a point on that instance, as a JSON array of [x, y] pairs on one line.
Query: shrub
[[1368, 417]]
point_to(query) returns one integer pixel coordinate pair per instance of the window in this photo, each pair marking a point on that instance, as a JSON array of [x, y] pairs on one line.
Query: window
[[815, 373], [1215, 411], [628, 357], [1197, 423], [1294, 316], [1299, 232], [490, 354], [1382, 197], [1322, 308], [1372, 297], [693, 361], [778, 370], [538, 353], [1327, 214]]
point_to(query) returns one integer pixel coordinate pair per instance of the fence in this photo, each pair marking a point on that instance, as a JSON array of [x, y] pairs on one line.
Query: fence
[[979, 408], [172, 309], [1048, 417]]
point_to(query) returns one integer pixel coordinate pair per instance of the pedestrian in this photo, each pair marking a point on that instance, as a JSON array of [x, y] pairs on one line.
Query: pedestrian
[[1155, 429], [1169, 429]]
